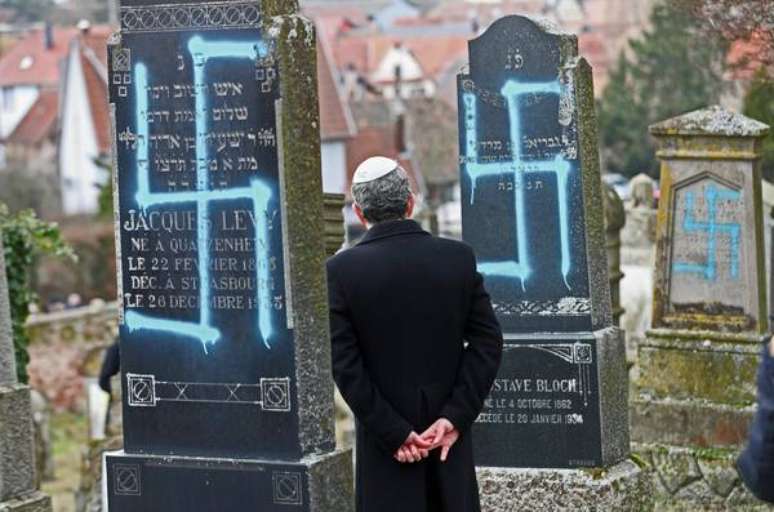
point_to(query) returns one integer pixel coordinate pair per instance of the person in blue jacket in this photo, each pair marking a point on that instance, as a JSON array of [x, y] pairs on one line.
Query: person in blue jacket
[[756, 465]]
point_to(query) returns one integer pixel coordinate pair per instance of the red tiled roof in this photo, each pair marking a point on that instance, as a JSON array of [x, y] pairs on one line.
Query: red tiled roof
[[45, 65], [96, 40], [365, 52], [46, 71], [745, 55], [435, 54], [336, 13], [93, 48], [594, 48], [45, 68], [335, 118], [332, 25], [96, 89], [40, 121]]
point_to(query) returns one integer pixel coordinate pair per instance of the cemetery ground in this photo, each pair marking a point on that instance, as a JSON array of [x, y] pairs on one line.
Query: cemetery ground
[[68, 438]]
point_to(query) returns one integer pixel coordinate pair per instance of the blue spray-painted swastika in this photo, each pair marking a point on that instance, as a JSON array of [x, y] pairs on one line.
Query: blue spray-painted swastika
[[520, 267], [713, 229], [202, 52]]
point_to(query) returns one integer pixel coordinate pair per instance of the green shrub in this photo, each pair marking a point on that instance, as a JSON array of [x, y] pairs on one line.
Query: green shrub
[[25, 237]]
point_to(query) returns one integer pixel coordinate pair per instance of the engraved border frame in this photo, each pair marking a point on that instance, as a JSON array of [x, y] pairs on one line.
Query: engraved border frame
[[190, 16], [120, 489]]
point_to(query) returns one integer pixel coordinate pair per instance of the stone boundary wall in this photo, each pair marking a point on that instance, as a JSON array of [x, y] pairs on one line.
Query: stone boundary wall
[[60, 346]]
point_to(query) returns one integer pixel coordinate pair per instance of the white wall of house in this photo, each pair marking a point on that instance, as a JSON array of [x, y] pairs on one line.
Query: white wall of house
[[15, 102], [78, 145], [398, 57], [334, 166]]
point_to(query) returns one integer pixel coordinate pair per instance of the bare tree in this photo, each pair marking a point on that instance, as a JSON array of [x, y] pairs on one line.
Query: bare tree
[[737, 20]]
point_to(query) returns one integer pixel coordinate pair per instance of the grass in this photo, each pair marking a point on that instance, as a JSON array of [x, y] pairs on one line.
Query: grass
[[69, 436]]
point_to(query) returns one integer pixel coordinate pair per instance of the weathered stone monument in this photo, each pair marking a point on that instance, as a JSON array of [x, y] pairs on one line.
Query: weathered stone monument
[[228, 398], [697, 364], [18, 485], [532, 210], [615, 220]]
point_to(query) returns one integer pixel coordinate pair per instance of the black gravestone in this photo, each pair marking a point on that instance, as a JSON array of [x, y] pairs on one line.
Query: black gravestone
[[209, 352], [532, 211], [205, 331]]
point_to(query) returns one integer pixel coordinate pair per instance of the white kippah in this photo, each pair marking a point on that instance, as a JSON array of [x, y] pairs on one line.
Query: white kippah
[[373, 169]]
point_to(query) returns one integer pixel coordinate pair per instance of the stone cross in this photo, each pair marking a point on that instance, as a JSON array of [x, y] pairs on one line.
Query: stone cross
[[533, 212], [228, 396], [698, 363], [17, 451]]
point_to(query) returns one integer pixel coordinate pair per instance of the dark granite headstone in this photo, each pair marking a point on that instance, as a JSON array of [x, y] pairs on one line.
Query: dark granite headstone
[[532, 210], [220, 358]]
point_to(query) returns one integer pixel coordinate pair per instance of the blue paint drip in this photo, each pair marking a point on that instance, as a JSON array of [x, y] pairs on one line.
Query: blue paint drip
[[143, 133], [203, 51], [713, 228], [263, 194], [519, 268], [135, 321]]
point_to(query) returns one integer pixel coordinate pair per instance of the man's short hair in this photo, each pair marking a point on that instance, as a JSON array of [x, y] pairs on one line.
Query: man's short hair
[[384, 199]]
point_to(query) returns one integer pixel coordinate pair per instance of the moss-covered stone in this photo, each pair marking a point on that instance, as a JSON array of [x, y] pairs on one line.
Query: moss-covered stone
[[34, 502], [683, 368], [691, 423], [271, 8], [577, 71], [686, 479], [304, 224], [17, 461]]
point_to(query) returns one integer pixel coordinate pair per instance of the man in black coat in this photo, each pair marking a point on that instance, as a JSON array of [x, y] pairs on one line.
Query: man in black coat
[[756, 465], [416, 348]]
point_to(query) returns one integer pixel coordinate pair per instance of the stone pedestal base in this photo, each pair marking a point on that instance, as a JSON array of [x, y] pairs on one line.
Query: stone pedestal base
[[185, 484], [690, 417], [17, 460], [585, 422], [689, 422], [35, 502], [697, 365], [623, 487], [696, 479]]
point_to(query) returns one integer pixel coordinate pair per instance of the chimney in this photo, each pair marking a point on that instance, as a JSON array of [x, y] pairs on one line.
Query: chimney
[[398, 74], [400, 134], [48, 36]]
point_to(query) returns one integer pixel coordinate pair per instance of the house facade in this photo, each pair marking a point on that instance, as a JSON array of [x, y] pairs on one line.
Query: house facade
[[53, 111]]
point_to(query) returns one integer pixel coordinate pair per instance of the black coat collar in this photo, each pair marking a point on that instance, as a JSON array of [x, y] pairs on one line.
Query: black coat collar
[[392, 228]]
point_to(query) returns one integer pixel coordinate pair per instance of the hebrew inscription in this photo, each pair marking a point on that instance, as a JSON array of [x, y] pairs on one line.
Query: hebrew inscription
[[206, 318]]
